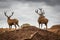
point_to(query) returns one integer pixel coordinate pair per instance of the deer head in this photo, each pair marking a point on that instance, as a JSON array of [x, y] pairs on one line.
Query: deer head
[[8, 16], [39, 9]]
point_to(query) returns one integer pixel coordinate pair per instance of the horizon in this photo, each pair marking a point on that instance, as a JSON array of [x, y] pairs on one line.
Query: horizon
[[24, 11]]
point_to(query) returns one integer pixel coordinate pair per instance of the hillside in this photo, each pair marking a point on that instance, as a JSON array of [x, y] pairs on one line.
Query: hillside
[[29, 33], [55, 29], [5, 29]]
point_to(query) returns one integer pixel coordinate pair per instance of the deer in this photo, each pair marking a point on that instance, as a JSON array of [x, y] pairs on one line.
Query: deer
[[11, 21], [42, 20]]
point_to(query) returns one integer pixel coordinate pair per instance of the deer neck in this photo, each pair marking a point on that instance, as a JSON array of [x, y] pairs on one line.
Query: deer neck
[[9, 19]]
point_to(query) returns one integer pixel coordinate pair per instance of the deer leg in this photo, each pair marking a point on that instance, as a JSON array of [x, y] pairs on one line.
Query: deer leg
[[9, 27], [41, 25], [18, 25], [15, 26], [46, 26]]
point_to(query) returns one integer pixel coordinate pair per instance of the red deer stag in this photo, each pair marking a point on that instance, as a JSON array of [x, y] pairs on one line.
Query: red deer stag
[[42, 20], [11, 21]]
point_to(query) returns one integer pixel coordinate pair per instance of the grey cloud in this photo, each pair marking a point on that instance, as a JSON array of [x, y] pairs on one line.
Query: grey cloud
[[5, 4], [2, 17], [49, 2], [2, 0]]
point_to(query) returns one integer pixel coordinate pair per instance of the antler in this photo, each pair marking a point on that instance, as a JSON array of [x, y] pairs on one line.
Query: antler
[[43, 12], [5, 14], [40, 8], [36, 11], [12, 14]]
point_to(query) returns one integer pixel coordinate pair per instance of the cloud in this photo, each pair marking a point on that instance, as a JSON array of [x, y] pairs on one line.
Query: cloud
[[8, 3], [5, 4], [24, 10], [48, 2], [2, 0]]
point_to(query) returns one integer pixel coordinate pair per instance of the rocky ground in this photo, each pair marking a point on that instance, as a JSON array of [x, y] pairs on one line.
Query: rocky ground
[[55, 29], [29, 33]]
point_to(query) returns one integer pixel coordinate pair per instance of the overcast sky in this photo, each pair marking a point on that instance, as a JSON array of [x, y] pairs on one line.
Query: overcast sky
[[24, 11]]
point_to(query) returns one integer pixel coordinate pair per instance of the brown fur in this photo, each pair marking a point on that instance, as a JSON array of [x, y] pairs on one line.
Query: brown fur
[[11, 21], [42, 20]]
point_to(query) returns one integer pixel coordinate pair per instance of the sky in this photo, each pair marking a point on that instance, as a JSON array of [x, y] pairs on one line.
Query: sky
[[24, 11]]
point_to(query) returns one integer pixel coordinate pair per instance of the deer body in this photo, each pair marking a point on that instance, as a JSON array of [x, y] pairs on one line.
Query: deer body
[[42, 20], [11, 21]]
